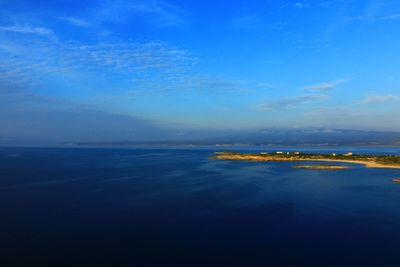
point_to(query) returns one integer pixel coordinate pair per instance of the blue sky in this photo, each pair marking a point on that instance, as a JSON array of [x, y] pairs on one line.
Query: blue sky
[[199, 64]]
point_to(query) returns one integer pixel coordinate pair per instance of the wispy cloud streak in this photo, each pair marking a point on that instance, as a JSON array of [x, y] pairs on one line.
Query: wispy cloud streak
[[161, 13], [326, 86], [291, 102], [26, 29], [125, 58], [376, 99], [79, 22]]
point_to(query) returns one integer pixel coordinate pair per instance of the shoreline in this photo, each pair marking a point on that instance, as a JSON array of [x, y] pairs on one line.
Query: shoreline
[[247, 157], [367, 164]]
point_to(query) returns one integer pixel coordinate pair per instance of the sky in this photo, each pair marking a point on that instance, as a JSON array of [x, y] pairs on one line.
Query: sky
[[120, 70]]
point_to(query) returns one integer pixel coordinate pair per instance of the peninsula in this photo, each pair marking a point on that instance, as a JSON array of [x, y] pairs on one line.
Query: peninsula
[[370, 161]]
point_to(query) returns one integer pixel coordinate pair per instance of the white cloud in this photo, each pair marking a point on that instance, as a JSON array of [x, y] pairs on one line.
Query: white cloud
[[374, 99], [326, 86], [301, 5], [133, 61], [26, 29], [392, 17], [76, 21], [291, 102], [372, 19], [127, 68]]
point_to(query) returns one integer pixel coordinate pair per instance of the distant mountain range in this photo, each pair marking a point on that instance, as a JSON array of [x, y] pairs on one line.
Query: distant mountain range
[[270, 137]]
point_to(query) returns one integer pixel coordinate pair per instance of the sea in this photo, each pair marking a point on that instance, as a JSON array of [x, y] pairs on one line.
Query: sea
[[164, 206]]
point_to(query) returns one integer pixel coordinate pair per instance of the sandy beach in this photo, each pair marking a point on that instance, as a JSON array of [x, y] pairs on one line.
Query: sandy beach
[[368, 164]]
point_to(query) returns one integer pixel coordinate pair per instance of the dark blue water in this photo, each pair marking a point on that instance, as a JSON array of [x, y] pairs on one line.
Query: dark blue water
[[176, 207]]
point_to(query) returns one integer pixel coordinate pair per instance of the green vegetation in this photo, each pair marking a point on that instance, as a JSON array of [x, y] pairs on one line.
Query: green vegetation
[[375, 161]]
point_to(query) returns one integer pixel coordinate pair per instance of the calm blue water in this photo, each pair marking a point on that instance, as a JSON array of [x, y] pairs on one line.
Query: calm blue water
[[176, 207]]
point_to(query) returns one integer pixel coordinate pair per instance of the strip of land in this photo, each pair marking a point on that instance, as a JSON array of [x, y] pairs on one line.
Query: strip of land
[[370, 161], [322, 167]]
